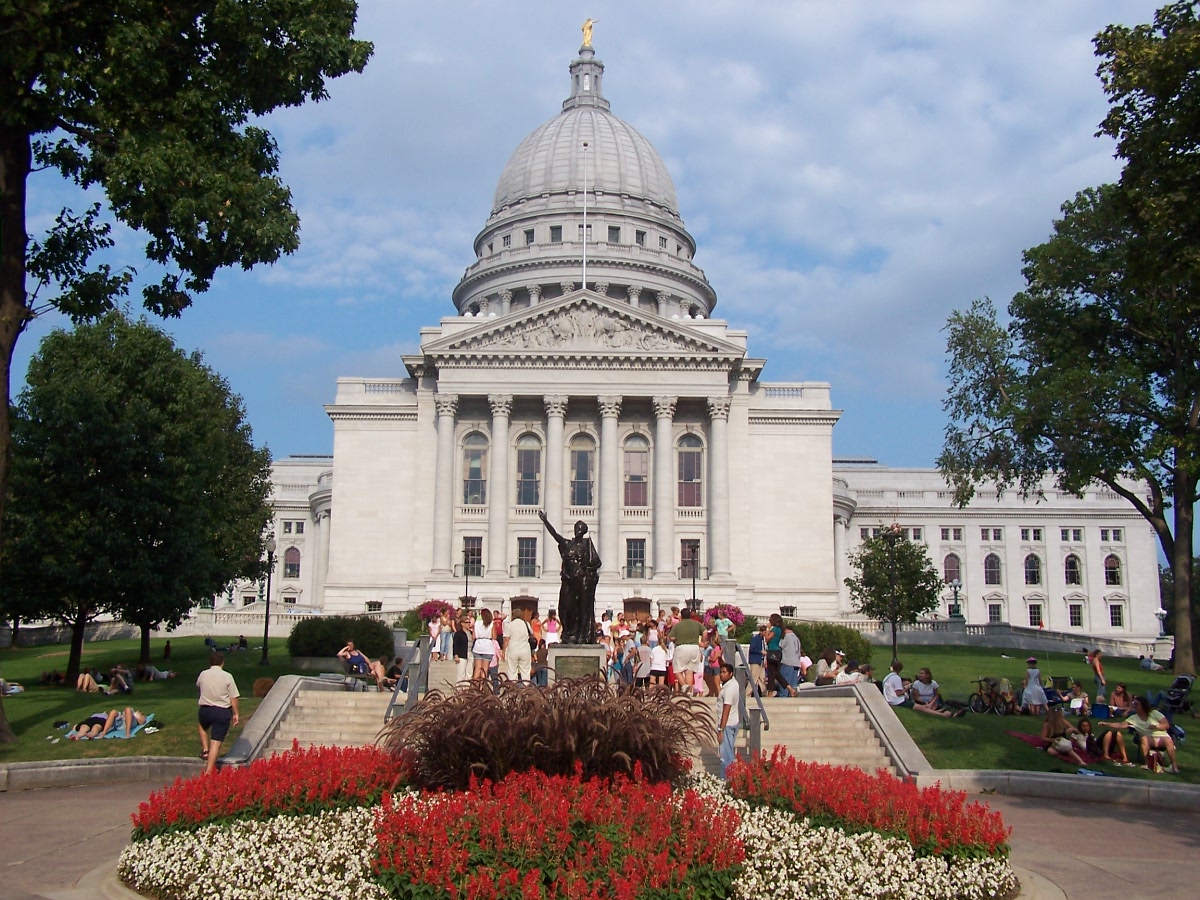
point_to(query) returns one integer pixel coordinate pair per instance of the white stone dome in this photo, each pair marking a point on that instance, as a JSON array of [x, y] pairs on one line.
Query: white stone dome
[[619, 161]]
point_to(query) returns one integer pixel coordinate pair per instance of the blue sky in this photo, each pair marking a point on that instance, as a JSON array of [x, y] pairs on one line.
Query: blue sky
[[852, 172]]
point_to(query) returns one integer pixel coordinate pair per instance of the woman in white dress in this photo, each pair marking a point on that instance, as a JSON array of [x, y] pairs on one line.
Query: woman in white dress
[[1034, 696], [483, 649]]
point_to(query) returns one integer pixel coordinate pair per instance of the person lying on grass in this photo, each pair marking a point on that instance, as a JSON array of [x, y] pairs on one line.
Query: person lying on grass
[[99, 724]]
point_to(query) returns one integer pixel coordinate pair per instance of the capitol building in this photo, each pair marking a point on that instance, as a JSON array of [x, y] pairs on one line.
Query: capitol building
[[584, 371]]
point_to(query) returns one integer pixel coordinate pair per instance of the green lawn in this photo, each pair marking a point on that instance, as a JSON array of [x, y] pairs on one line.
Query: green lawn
[[32, 714], [980, 742]]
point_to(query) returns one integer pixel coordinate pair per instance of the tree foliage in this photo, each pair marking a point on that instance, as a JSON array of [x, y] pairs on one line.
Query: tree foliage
[[896, 580], [136, 489], [155, 104], [1096, 377]]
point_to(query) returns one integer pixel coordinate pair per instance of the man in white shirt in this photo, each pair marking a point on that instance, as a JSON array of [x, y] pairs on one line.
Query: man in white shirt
[[218, 708], [895, 691], [727, 709]]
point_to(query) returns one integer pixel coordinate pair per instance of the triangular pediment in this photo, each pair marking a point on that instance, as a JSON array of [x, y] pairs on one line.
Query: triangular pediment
[[582, 324]]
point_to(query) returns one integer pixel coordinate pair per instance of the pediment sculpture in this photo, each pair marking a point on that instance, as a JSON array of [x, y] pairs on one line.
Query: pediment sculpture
[[582, 328]]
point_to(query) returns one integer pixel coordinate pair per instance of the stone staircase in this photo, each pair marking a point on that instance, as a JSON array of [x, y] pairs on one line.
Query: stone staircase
[[814, 727], [330, 719]]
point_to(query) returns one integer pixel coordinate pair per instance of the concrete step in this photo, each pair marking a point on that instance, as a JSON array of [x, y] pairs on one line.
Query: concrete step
[[342, 699], [318, 717]]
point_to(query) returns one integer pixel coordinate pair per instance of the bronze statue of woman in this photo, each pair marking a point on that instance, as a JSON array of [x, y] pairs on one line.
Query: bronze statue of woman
[[580, 574]]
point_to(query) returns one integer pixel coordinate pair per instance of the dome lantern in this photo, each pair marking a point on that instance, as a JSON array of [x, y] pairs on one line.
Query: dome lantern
[[586, 75]]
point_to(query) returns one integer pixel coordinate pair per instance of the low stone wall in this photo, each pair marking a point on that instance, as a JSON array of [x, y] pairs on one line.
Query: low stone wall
[[42, 635], [956, 632]]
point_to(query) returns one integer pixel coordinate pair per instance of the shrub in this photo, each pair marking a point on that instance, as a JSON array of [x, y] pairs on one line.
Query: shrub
[[326, 635], [298, 781], [816, 636], [936, 822], [575, 723], [557, 837], [746, 630], [262, 686]]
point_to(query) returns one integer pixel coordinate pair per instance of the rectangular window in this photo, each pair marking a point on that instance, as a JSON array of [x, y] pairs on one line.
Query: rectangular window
[[473, 556], [1075, 611], [299, 528], [689, 556], [945, 534], [639, 238], [1116, 615], [637, 464], [662, 243], [876, 532], [916, 534], [995, 613], [474, 476], [287, 527], [1104, 535], [864, 533], [581, 477], [991, 534], [1117, 535], [691, 486], [290, 600], [556, 234], [528, 237], [614, 234], [958, 533], [529, 465], [506, 241], [589, 233], [985, 533], [1074, 535], [1035, 615], [635, 558], [1112, 535], [527, 556]]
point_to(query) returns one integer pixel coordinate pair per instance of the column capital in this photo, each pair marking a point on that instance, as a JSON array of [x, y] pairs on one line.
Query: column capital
[[600, 287], [567, 286], [501, 404], [447, 404], [556, 405], [535, 291], [635, 293], [610, 407], [506, 295], [664, 407], [718, 407]]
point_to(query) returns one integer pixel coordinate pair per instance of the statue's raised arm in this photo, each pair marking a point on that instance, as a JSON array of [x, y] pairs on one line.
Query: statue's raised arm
[[554, 534]]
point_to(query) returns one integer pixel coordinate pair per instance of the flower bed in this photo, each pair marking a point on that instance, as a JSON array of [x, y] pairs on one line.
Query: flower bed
[[733, 613], [934, 821], [538, 836], [312, 780]]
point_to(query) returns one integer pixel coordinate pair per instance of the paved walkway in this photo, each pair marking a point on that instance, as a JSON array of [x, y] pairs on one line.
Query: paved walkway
[[49, 839]]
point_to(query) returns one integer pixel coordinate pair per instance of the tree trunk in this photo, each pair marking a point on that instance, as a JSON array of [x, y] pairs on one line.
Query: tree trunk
[[6, 733], [15, 159], [895, 653], [1181, 571], [144, 658], [78, 627]]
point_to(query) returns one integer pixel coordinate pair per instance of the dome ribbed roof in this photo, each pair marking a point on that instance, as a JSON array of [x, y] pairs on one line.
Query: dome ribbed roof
[[619, 161]]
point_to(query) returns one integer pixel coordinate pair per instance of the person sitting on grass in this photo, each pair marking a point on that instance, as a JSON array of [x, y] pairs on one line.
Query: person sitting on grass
[[1151, 730], [98, 725], [1078, 701], [87, 683], [928, 699], [1060, 733], [896, 690], [1120, 700]]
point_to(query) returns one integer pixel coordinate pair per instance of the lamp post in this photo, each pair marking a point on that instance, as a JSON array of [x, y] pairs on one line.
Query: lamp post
[[955, 610], [694, 604], [270, 545]]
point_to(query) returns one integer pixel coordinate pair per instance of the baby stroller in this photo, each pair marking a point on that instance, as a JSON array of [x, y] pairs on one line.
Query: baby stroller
[[1173, 699]]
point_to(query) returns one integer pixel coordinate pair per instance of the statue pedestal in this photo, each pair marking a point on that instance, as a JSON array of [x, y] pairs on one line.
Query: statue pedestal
[[577, 660]]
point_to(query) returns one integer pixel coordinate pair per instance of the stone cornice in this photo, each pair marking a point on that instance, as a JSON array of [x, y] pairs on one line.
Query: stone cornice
[[353, 413], [795, 417]]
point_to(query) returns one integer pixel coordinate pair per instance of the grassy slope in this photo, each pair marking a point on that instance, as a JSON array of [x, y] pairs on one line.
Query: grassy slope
[[966, 743], [32, 714], [979, 742]]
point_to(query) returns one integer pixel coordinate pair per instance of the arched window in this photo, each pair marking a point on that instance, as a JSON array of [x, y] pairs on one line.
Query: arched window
[[529, 470], [475, 449], [583, 470], [1112, 570], [637, 471], [952, 568], [291, 563], [691, 467], [991, 569], [1033, 569], [1072, 572]]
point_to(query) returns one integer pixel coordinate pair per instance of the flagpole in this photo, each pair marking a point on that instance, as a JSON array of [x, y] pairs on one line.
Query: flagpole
[[585, 147]]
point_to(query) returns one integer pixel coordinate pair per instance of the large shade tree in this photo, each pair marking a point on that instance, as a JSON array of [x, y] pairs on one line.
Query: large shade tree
[[896, 581], [136, 487], [1095, 377]]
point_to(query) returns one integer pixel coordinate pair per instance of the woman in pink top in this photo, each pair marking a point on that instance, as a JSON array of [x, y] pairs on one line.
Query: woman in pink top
[[551, 628]]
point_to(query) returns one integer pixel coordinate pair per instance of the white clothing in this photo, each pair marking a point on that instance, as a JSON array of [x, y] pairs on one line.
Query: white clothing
[[483, 639], [729, 696], [217, 687], [658, 658], [893, 689], [518, 657]]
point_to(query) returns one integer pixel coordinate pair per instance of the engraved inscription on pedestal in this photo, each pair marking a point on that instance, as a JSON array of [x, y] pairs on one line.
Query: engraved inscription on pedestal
[[576, 667]]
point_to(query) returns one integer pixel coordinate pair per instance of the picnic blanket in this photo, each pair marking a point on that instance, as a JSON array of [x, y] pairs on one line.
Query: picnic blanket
[[118, 729], [1036, 740]]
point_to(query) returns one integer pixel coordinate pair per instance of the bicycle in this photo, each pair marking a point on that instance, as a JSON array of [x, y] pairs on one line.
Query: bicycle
[[992, 695]]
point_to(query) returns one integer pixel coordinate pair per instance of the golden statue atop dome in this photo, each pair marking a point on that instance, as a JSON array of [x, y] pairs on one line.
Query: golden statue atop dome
[[587, 32]]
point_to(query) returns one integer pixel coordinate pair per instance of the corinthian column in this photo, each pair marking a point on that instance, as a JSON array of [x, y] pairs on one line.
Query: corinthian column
[[840, 526], [718, 494], [664, 504], [443, 491], [498, 487], [323, 525], [556, 411], [610, 481]]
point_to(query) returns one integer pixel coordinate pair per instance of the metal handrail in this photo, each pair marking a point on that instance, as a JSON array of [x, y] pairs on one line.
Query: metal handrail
[[415, 657], [756, 718]]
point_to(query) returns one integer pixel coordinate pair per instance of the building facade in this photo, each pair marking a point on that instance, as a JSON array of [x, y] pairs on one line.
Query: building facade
[[583, 374]]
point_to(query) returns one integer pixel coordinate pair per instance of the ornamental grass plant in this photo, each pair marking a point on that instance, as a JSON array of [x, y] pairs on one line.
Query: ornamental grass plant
[[579, 725]]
